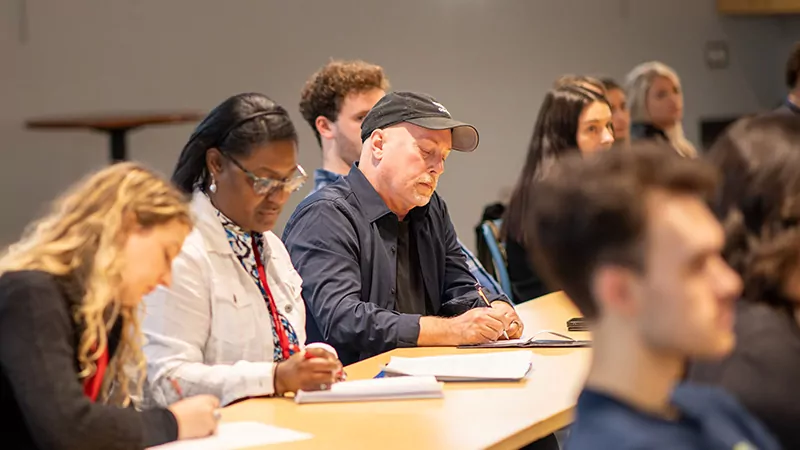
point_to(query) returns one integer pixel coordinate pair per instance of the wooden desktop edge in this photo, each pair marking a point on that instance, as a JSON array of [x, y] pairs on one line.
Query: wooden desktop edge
[[535, 432]]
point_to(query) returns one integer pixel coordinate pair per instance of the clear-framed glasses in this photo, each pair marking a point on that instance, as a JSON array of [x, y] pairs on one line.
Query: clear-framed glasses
[[264, 186]]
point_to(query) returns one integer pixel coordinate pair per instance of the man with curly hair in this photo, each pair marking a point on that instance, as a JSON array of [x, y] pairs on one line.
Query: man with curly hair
[[334, 101]]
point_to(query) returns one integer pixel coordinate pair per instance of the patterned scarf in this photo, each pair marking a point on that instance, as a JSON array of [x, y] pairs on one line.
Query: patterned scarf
[[240, 241]]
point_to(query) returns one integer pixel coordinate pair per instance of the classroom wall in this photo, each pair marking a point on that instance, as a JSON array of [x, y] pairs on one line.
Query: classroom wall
[[488, 61]]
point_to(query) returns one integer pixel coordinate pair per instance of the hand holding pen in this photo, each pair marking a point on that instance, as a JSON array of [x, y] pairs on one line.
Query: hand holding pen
[[314, 369], [488, 304], [196, 416], [514, 327]]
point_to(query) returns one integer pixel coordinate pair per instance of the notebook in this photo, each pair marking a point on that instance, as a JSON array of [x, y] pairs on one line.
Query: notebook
[[400, 388], [577, 324], [535, 341], [494, 366]]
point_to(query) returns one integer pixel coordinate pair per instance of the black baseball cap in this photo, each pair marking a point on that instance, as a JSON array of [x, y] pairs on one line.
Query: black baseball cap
[[421, 110]]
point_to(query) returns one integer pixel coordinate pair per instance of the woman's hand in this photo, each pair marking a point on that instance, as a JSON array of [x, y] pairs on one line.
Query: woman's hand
[[313, 369]]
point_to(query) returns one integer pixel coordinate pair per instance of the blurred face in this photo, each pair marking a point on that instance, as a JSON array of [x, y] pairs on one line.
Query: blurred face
[[688, 291], [347, 128], [236, 197], [595, 128], [620, 115], [411, 162], [664, 103], [791, 285], [147, 259]]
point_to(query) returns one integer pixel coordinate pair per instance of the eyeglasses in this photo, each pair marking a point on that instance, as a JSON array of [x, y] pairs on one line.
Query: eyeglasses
[[265, 186]]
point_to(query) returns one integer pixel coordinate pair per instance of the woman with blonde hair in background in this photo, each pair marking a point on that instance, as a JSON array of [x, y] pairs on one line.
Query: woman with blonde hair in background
[[655, 99], [71, 359]]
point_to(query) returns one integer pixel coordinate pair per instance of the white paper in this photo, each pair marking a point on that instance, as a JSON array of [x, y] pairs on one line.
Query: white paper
[[397, 388], [234, 435], [494, 366]]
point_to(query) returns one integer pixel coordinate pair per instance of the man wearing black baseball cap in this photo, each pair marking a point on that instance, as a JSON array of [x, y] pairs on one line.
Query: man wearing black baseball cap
[[377, 252]]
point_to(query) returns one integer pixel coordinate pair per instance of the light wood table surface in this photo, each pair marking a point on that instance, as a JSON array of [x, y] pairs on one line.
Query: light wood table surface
[[470, 416]]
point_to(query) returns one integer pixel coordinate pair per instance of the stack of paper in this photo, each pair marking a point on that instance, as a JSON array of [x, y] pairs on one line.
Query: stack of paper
[[403, 388], [495, 366], [238, 435]]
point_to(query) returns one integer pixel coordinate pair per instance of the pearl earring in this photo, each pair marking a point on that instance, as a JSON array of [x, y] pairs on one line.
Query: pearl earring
[[213, 186]]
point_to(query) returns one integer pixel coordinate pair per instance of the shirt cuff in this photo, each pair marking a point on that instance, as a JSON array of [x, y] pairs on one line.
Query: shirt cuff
[[255, 380], [408, 330]]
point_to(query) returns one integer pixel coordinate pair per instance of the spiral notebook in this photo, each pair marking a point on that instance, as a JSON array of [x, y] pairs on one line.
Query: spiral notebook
[[401, 388], [535, 341], [492, 366]]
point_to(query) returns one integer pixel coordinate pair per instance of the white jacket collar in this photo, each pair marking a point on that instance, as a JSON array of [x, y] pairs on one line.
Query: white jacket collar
[[214, 236], [208, 224]]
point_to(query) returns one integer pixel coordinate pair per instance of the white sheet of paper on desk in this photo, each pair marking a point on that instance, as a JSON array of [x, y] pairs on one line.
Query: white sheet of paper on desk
[[235, 435], [494, 366], [398, 388]]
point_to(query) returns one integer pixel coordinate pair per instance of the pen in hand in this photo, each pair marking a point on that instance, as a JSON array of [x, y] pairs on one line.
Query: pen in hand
[[486, 300], [177, 387]]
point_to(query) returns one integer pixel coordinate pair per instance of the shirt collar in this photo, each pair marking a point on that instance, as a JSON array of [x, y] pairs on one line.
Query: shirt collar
[[372, 204], [208, 223], [792, 107], [324, 177], [233, 228]]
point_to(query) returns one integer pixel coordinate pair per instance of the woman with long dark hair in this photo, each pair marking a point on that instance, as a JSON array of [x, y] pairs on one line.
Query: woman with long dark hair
[[232, 323], [571, 119]]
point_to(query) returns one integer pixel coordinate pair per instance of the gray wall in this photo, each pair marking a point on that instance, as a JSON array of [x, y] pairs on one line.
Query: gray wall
[[489, 61]]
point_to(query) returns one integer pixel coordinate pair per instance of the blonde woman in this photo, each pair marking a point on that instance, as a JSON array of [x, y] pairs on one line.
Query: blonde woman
[[655, 99], [69, 296]]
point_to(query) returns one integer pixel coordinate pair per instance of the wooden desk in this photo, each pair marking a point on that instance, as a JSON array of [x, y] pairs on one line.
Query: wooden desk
[[116, 125], [471, 416]]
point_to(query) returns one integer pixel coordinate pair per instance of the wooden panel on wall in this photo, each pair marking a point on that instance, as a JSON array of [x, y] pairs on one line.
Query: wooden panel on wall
[[758, 7]]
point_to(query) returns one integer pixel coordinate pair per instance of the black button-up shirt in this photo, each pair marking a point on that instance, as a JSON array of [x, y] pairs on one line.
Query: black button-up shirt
[[343, 242]]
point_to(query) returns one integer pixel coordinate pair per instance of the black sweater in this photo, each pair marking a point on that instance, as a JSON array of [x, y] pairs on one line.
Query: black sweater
[[42, 403], [763, 369], [525, 282]]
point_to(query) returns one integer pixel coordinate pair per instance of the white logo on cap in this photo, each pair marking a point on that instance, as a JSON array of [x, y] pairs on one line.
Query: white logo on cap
[[441, 107]]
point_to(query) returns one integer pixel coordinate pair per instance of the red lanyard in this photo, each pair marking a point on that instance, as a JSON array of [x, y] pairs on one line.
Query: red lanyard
[[283, 337], [92, 384]]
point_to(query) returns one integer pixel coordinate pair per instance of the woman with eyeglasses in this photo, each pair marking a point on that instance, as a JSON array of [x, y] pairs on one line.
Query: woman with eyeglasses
[[232, 323]]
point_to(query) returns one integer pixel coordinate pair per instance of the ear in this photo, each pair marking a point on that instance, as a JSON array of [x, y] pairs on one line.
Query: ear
[[377, 143], [324, 127], [616, 290], [214, 161], [130, 225]]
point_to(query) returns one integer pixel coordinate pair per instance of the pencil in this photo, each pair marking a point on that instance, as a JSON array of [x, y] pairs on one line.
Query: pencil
[[177, 387], [486, 300]]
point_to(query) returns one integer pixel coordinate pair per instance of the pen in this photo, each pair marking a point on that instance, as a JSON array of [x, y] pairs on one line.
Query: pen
[[341, 374], [486, 300], [177, 387], [217, 413]]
